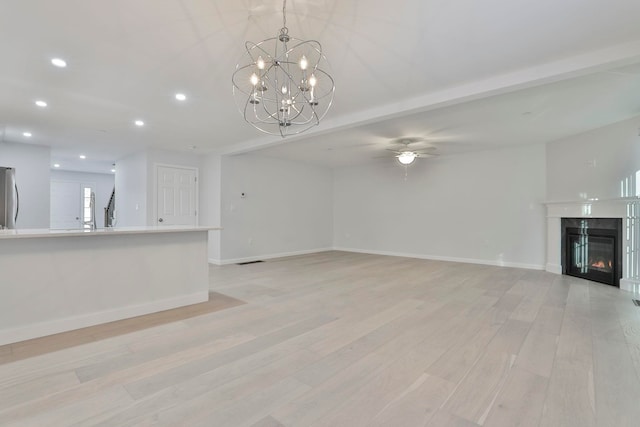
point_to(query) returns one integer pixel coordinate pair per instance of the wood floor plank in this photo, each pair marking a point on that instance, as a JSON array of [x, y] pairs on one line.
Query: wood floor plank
[[247, 411], [570, 396], [383, 388], [476, 393], [616, 387], [454, 364], [156, 362], [37, 346], [569, 400], [330, 392], [71, 412], [347, 339], [549, 319], [443, 418], [520, 402], [538, 352], [268, 421], [42, 386], [167, 378], [532, 301], [416, 405]]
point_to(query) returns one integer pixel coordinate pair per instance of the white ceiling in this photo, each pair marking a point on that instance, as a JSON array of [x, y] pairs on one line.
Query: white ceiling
[[535, 115], [460, 72]]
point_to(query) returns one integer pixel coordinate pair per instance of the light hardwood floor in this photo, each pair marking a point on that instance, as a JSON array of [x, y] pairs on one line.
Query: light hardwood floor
[[342, 339]]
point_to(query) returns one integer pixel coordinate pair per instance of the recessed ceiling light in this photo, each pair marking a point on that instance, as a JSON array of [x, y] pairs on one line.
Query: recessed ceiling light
[[181, 97], [41, 103], [27, 134], [82, 156], [56, 165], [113, 171], [61, 63], [139, 123]]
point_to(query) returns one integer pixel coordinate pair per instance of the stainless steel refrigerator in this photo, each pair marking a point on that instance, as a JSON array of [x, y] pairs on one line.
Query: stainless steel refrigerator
[[9, 198]]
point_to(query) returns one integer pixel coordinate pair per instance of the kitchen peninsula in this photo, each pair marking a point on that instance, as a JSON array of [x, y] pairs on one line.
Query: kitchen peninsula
[[53, 281]]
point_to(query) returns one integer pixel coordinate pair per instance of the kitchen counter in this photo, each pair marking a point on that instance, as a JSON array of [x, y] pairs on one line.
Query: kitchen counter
[[46, 232], [53, 281]]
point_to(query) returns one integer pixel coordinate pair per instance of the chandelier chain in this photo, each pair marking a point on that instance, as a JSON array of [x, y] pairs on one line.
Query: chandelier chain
[[284, 13]]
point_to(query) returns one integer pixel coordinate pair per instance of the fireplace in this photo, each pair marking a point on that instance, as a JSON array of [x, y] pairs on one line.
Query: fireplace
[[592, 249]]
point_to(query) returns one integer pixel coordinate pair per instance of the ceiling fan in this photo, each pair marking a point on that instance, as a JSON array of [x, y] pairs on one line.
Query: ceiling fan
[[406, 155]]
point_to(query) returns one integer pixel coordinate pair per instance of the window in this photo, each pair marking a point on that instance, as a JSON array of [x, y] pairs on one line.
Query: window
[[87, 216]]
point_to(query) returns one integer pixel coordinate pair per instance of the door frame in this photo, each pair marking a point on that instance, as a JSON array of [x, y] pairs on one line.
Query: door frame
[[82, 185], [154, 219]]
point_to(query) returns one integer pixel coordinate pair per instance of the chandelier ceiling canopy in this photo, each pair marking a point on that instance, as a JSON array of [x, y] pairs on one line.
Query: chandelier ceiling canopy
[[282, 85]]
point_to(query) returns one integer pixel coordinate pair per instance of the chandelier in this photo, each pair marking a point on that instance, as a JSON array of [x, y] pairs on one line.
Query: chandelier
[[281, 85]]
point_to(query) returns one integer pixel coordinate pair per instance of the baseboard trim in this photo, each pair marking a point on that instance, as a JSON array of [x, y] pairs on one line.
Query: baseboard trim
[[267, 256], [385, 253], [55, 326], [630, 285], [444, 258], [553, 268]]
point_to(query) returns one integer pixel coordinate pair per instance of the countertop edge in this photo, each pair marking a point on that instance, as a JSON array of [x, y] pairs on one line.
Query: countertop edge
[[48, 233]]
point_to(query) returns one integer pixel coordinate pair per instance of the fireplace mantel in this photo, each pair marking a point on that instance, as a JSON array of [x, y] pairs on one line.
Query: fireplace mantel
[[627, 208]]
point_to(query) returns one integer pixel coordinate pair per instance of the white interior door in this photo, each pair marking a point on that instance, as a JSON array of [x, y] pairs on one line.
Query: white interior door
[[177, 196], [65, 205]]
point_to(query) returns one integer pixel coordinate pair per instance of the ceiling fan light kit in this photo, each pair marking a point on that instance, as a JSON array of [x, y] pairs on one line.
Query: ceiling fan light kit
[[407, 157], [282, 86]]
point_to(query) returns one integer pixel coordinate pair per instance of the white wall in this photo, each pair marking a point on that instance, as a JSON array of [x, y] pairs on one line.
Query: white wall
[[102, 187], [287, 207], [480, 207], [131, 190], [32, 177], [210, 202], [598, 164]]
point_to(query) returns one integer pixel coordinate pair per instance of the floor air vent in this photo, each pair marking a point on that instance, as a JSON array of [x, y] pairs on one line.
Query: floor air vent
[[636, 302], [249, 262]]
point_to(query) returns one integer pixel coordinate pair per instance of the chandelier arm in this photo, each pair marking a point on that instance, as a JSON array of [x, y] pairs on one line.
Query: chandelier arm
[[298, 111], [278, 94]]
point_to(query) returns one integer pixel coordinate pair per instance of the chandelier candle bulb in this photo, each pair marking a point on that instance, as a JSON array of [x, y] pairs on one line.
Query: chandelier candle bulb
[[296, 71]]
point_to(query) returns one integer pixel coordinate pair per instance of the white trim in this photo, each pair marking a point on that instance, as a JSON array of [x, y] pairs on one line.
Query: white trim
[[51, 327], [444, 258], [630, 285], [269, 256], [553, 268], [385, 253], [154, 202]]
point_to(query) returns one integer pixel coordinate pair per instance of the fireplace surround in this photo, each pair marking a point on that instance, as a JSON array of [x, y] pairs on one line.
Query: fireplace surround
[[624, 209]]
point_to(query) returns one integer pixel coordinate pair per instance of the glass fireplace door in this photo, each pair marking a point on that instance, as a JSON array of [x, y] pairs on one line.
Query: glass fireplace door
[[591, 257]]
